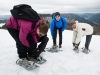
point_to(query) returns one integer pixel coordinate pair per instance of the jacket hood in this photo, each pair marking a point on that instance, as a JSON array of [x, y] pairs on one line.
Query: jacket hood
[[53, 17]]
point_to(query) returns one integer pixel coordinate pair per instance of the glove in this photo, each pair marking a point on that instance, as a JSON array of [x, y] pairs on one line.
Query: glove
[[37, 54], [74, 44], [75, 47]]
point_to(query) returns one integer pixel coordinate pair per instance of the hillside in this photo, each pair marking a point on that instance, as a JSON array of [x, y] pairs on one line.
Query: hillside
[[4, 17], [76, 17], [86, 15], [95, 19], [48, 18]]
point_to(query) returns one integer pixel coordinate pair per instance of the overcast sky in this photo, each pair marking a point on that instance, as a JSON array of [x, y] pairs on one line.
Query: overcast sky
[[50, 6]]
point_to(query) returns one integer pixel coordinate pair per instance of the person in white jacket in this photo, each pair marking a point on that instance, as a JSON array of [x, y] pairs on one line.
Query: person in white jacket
[[80, 30]]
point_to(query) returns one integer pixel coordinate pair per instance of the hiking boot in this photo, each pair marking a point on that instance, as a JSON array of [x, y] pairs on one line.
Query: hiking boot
[[76, 50], [85, 50], [38, 60], [54, 46], [60, 46], [32, 58]]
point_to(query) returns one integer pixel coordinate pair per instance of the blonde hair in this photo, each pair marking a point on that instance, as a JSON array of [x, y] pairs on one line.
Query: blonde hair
[[43, 27]]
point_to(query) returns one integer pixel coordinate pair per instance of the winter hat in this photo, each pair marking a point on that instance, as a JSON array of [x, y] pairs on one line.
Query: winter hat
[[57, 13]]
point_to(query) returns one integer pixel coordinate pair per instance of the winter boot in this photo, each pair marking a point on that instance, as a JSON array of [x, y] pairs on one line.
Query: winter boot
[[60, 46], [54, 46], [38, 60]]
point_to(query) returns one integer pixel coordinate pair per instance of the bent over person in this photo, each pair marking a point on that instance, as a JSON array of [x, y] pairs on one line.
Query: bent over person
[[58, 23], [27, 34], [80, 30]]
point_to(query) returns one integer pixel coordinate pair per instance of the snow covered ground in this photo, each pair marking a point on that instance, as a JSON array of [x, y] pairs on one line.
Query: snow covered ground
[[66, 62], [1, 24]]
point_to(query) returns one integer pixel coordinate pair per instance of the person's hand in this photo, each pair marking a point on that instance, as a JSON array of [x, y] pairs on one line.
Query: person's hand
[[76, 45], [37, 54], [73, 44]]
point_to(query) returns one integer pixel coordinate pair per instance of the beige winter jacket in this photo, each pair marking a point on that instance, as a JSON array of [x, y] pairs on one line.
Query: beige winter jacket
[[81, 30]]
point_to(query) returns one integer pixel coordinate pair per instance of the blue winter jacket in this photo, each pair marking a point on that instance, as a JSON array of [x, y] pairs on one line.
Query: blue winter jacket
[[57, 24]]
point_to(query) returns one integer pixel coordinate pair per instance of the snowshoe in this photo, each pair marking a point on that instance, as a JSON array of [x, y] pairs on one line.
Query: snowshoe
[[28, 65], [53, 49], [76, 50], [85, 50]]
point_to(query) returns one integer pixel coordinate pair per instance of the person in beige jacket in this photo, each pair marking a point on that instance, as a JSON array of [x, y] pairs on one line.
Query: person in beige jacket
[[80, 30]]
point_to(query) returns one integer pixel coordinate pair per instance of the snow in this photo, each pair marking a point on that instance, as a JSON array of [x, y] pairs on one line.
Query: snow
[[1, 24], [66, 62]]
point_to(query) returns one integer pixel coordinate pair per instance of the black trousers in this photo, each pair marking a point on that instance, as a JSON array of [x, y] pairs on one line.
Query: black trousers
[[87, 42], [23, 50], [55, 36]]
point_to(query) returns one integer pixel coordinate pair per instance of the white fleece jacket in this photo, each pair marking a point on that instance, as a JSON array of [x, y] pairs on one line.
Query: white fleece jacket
[[81, 30]]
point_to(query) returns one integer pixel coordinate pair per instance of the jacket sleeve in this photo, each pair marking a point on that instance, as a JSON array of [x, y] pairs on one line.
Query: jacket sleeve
[[65, 24], [79, 35], [24, 31], [74, 36], [52, 28], [33, 45]]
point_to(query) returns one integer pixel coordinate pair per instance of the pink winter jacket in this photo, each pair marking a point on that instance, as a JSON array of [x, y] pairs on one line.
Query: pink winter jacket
[[24, 27]]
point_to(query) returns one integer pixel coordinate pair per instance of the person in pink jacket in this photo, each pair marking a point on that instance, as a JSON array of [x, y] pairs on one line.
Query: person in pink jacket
[[27, 37]]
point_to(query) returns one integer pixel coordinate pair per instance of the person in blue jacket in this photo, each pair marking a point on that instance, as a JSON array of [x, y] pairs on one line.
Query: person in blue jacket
[[58, 23]]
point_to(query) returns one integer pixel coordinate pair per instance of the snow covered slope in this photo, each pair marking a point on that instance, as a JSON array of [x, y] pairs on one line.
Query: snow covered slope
[[66, 62]]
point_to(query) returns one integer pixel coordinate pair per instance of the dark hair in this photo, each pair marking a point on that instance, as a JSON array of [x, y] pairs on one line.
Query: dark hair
[[43, 27], [57, 13], [72, 22]]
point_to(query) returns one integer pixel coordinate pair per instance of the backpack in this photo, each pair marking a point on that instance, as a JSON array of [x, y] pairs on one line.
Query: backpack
[[24, 11]]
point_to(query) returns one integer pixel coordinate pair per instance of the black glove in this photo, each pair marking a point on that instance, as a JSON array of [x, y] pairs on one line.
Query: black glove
[[35, 55], [74, 44]]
